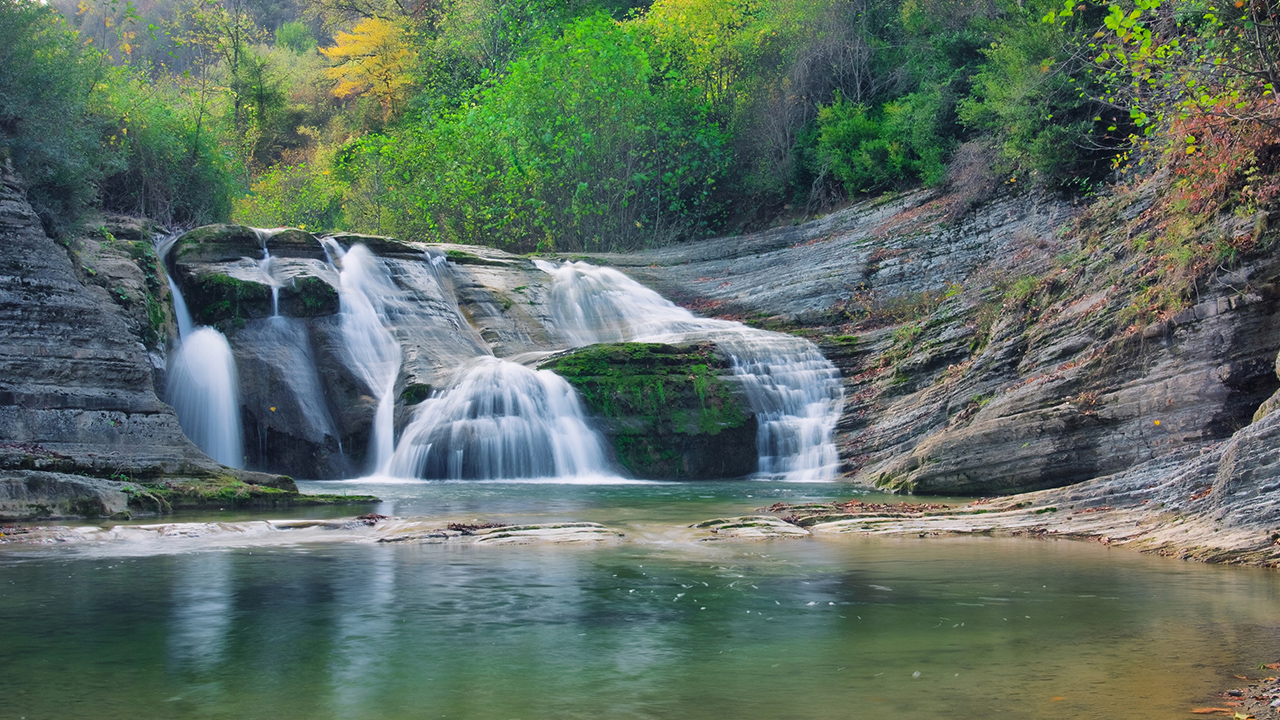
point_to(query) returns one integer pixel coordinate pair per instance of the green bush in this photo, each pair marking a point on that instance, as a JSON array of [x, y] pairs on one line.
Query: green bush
[[47, 82], [296, 36], [897, 146], [302, 196], [578, 146], [161, 168], [82, 131], [1032, 96]]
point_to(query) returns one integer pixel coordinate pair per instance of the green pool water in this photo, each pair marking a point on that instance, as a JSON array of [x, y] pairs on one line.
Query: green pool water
[[651, 628]]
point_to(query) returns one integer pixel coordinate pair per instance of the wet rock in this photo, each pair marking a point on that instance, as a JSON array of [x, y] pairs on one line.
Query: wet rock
[[288, 425], [27, 495], [304, 296], [229, 293], [750, 527], [557, 533], [669, 411]]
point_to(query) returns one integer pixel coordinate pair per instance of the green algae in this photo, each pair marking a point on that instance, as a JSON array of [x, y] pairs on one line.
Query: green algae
[[665, 407]]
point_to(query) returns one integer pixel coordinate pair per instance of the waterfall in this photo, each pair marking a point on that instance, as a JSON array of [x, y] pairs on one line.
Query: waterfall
[[794, 391], [499, 419], [268, 266], [203, 387], [366, 293]]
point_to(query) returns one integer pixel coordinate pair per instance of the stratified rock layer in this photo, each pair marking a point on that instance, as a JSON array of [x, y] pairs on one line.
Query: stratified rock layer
[[77, 392], [82, 431]]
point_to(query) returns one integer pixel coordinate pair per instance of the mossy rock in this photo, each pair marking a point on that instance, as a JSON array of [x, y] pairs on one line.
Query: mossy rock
[[217, 243], [415, 393], [223, 492], [213, 297], [461, 257], [670, 411], [308, 296], [294, 243]]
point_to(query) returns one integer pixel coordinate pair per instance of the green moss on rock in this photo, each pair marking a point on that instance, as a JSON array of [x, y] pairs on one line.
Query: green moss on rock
[[223, 492], [670, 411], [215, 297], [415, 393], [308, 296], [217, 243]]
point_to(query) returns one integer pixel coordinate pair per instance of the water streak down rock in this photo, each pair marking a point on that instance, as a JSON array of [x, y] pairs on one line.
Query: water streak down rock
[[372, 351]]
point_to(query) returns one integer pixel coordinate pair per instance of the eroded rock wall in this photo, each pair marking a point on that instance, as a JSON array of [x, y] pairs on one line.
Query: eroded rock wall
[[77, 393], [994, 356]]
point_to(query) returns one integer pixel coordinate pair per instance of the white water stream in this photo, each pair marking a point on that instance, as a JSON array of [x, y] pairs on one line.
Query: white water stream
[[499, 419], [366, 296], [794, 391], [204, 389]]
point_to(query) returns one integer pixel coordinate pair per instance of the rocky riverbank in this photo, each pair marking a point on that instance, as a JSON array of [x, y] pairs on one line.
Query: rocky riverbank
[[1017, 351], [1014, 353]]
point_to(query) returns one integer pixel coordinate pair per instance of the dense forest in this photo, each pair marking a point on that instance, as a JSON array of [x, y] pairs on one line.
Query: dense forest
[[602, 124]]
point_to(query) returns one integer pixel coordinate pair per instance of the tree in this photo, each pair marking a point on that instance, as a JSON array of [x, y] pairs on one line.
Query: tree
[[373, 59]]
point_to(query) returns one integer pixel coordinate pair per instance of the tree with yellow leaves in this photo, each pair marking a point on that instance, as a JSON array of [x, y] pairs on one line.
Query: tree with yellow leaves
[[373, 59]]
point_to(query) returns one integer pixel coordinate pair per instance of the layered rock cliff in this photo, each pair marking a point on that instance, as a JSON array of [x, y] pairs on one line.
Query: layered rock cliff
[[82, 430], [1013, 352]]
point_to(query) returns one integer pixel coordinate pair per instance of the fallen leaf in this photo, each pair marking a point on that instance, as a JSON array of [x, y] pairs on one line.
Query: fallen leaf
[[1058, 698], [1209, 710]]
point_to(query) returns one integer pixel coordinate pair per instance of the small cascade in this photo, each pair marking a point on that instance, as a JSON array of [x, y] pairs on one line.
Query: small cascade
[[366, 293], [185, 324], [794, 391], [204, 389], [268, 266], [203, 386], [499, 419]]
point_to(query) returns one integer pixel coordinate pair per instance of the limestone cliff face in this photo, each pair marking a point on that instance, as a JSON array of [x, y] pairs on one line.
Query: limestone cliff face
[[83, 329], [77, 392], [995, 356]]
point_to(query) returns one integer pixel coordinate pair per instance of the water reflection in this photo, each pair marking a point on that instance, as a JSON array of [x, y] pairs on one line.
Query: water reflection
[[874, 628], [200, 622], [361, 640]]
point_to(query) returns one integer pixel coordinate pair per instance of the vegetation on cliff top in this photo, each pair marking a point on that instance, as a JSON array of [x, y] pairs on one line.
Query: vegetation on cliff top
[[610, 124]]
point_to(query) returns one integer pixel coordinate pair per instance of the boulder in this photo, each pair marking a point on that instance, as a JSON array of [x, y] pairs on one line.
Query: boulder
[[218, 243], [669, 411], [29, 495]]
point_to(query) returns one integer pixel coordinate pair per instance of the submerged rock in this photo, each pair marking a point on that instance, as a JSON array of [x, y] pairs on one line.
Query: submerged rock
[[750, 527], [669, 411]]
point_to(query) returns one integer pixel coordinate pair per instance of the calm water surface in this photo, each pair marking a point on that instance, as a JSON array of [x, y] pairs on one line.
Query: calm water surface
[[654, 628]]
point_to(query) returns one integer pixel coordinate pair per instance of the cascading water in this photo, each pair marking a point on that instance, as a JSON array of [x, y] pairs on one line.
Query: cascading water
[[794, 391], [366, 293], [268, 266], [499, 419], [203, 386]]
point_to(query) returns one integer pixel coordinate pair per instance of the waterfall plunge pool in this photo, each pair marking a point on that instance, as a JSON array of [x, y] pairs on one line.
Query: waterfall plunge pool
[[655, 627]]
